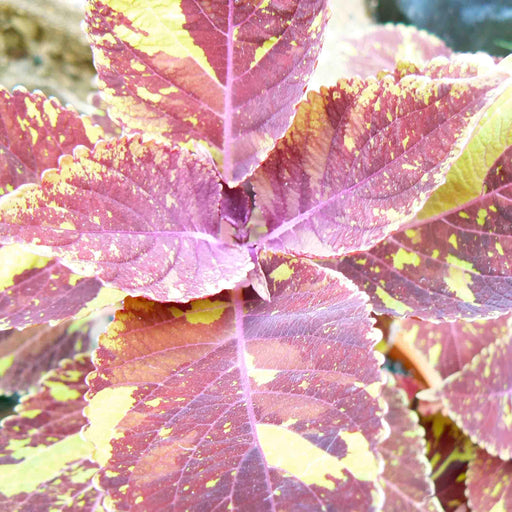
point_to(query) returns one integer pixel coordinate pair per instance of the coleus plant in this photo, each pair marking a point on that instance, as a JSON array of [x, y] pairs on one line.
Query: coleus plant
[[263, 244]]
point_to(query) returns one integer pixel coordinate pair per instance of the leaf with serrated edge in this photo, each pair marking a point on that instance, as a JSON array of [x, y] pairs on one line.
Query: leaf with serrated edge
[[489, 483], [479, 398], [35, 290], [455, 264], [448, 346], [44, 463], [406, 478], [449, 452], [241, 404], [493, 135], [227, 73], [34, 132], [336, 183], [376, 48], [26, 355], [142, 217]]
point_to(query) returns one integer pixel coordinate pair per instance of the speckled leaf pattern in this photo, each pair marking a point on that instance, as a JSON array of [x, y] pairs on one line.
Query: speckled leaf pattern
[[227, 73], [378, 48], [448, 346], [489, 483], [492, 136], [141, 216], [44, 463], [361, 159], [34, 132], [101, 118], [479, 398], [406, 477], [449, 452], [234, 403], [26, 355], [35, 290], [456, 264]]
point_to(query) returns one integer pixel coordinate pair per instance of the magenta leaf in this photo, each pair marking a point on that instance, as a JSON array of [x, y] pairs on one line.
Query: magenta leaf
[[235, 211], [449, 452], [48, 294], [226, 73], [336, 183], [34, 132], [44, 463], [448, 346], [479, 398], [234, 403], [378, 48], [142, 217], [455, 264], [406, 477], [489, 483], [26, 355]]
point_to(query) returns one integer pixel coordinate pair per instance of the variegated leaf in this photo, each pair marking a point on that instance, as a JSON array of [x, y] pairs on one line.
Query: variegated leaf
[[448, 346], [449, 452], [26, 355], [227, 73], [406, 478], [456, 264], [234, 403], [377, 48], [361, 159], [143, 217], [479, 398], [34, 132], [36, 290], [489, 483], [44, 463]]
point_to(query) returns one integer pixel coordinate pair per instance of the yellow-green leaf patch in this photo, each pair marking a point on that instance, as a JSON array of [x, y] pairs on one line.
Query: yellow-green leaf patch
[[250, 406], [44, 462]]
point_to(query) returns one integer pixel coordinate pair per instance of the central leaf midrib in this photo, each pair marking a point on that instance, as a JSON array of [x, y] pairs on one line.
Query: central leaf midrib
[[238, 306]]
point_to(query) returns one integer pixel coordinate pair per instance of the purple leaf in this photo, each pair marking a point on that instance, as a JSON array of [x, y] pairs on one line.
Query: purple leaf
[[336, 184], [227, 73], [233, 403], [143, 217]]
